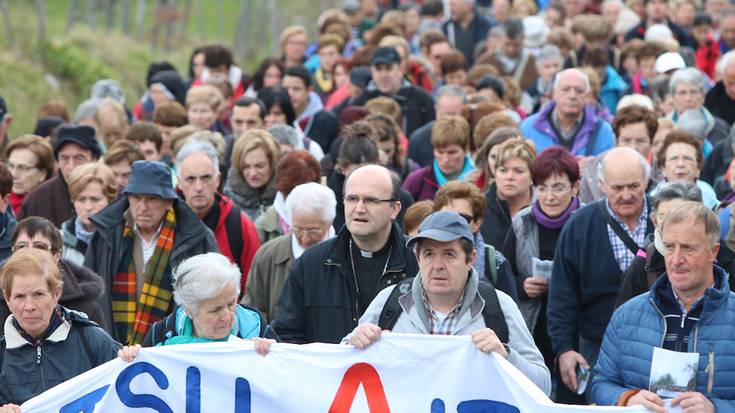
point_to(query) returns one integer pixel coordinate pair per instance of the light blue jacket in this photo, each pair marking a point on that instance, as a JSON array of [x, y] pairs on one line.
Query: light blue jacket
[[613, 89], [638, 326]]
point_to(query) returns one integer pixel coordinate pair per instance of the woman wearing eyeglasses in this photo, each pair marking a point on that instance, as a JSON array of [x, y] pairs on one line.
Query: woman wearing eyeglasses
[[530, 244], [30, 161], [44, 343], [82, 287]]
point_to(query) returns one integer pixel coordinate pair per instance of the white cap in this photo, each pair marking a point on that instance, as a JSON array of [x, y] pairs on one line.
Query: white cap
[[535, 31], [669, 61], [658, 32]]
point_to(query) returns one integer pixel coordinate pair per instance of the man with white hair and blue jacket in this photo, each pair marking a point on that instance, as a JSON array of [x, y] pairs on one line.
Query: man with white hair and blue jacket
[[689, 309]]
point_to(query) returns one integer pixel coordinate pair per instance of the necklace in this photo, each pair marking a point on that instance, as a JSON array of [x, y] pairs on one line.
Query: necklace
[[354, 273]]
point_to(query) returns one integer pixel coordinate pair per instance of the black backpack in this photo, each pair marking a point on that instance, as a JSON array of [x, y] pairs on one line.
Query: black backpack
[[492, 313]]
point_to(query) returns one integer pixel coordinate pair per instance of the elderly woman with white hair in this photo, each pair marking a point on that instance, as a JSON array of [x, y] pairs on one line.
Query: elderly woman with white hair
[[688, 88], [312, 208], [206, 288]]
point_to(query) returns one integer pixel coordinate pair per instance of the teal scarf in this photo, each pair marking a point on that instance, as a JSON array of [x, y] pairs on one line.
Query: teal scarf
[[466, 170]]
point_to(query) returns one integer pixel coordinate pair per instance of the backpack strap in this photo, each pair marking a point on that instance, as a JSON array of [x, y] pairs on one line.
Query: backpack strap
[[629, 243], [491, 264], [392, 308], [233, 227], [492, 312]]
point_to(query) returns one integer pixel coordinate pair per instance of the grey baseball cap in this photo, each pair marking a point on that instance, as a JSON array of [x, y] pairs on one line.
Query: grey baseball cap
[[443, 226]]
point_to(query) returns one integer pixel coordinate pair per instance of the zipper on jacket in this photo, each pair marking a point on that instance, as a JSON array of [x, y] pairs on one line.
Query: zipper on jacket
[[40, 368], [663, 337], [710, 370], [356, 309]]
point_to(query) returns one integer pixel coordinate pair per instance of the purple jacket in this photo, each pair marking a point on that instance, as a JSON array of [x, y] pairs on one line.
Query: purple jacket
[[538, 128], [421, 184]]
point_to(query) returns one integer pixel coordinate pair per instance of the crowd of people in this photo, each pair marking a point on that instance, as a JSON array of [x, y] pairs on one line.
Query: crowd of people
[[553, 178]]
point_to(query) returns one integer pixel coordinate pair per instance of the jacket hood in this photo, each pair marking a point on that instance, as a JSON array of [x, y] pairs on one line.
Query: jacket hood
[[80, 282], [315, 105], [173, 83], [613, 81]]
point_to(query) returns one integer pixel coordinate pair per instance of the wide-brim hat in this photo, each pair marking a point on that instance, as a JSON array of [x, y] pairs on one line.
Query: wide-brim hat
[[150, 178]]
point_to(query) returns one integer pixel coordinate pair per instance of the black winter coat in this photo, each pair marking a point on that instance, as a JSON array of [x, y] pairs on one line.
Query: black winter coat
[[191, 238], [28, 371], [319, 300]]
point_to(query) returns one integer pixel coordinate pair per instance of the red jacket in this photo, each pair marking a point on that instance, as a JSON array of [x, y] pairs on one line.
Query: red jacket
[[707, 55], [234, 231], [420, 76]]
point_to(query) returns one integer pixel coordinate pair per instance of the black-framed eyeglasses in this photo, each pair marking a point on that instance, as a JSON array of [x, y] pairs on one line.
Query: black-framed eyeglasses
[[367, 200]]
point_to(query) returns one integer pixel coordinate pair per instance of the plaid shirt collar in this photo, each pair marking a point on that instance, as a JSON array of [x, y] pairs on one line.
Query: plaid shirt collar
[[436, 325], [622, 254]]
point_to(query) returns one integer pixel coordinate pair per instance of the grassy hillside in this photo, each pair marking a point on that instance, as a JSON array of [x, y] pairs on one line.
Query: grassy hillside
[[65, 66]]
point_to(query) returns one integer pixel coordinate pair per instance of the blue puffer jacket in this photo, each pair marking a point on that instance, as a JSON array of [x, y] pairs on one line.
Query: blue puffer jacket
[[638, 326], [594, 137]]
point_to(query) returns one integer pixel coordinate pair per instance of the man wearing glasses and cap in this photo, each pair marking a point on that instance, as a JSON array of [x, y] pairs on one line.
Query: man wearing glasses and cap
[[333, 282], [447, 298], [139, 239]]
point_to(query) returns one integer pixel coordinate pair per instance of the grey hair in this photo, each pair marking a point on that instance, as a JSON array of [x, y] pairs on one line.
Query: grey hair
[[635, 99], [701, 214], [285, 135], [565, 71], [687, 191], [451, 90], [312, 197], [726, 60], [694, 122], [641, 159], [108, 88], [512, 28], [86, 110], [495, 32], [690, 76], [196, 146], [202, 277], [615, 2], [549, 52]]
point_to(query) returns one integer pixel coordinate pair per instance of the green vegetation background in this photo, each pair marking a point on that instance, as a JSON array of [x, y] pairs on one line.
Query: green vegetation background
[[86, 54]]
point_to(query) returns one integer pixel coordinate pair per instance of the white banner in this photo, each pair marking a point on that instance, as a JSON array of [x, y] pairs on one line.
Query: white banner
[[399, 373]]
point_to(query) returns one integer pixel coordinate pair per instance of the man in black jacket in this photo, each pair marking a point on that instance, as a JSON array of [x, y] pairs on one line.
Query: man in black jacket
[[417, 106], [333, 282]]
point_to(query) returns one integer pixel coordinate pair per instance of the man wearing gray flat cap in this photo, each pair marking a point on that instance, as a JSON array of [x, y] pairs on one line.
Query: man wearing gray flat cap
[[139, 240], [447, 298]]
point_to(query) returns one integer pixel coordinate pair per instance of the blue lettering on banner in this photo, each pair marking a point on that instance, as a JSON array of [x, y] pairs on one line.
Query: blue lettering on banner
[[86, 403], [130, 399], [475, 406], [193, 390], [242, 396]]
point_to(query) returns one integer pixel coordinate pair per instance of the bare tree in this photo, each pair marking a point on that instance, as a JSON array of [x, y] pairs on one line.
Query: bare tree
[[220, 18], [92, 6], [125, 16], [185, 16], [71, 16], [6, 22], [139, 18], [110, 15], [200, 21], [242, 31], [41, 15], [274, 26]]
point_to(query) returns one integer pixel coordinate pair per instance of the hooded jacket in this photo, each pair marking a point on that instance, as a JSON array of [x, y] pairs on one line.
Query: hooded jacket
[[720, 104], [74, 347], [613, 89], [319, 300], [594, 136], [191, 238], [5, 233]]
